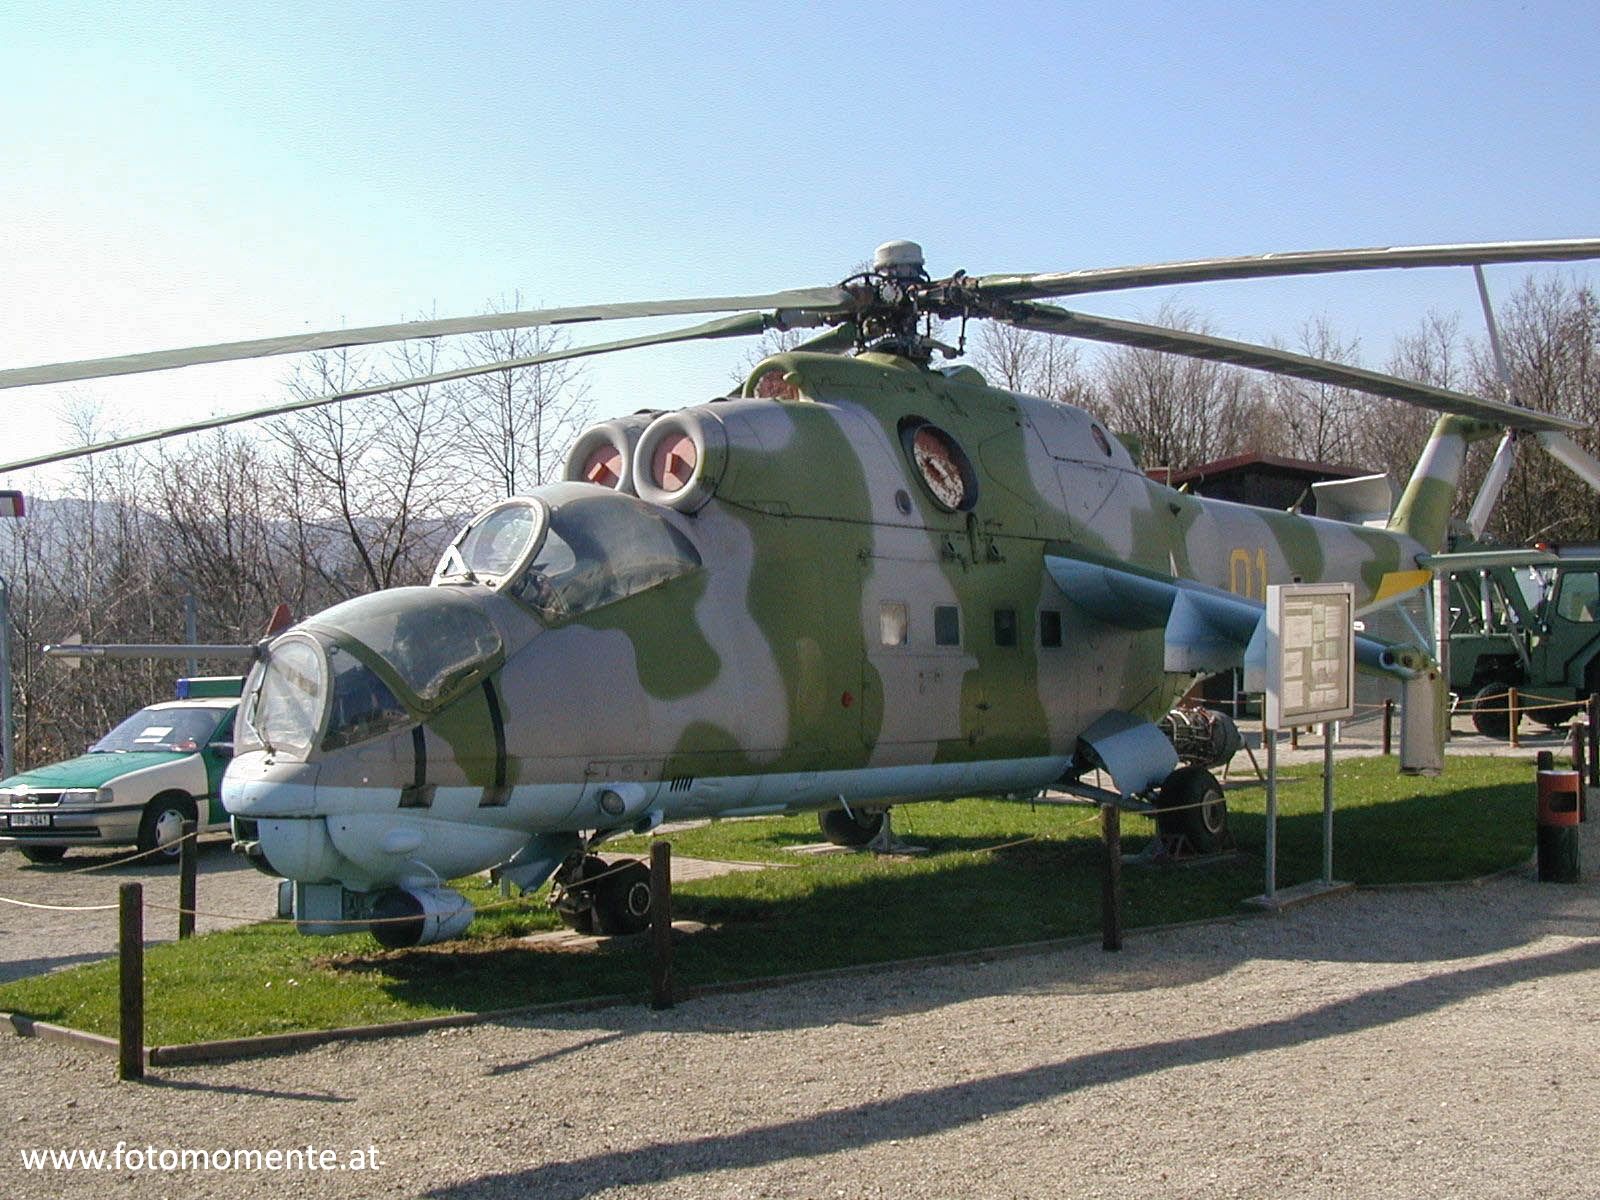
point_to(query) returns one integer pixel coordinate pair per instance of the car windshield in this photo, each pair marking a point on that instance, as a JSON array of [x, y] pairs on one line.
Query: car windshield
[[184, 730], [598, 548]]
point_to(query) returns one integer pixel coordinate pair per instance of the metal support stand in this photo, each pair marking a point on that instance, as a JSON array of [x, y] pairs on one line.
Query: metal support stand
[[1327, 803], [1271, 892], [1272, 898], [7, 729], [191, 631]]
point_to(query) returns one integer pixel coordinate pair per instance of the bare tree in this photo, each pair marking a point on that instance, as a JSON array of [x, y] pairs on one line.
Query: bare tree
[[1038, 364], [515, 426], [1182, 411], [1320, 422], [376, 473], [1391, 436], [1550, 332]]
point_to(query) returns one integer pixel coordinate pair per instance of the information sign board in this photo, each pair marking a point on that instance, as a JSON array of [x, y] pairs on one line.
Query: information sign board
[[1311, 654]]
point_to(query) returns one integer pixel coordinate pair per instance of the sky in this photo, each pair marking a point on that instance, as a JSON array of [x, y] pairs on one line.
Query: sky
[[172, 177]]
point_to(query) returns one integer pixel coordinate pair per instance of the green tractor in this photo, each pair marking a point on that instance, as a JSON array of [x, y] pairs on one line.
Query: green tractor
[[1528, 620]]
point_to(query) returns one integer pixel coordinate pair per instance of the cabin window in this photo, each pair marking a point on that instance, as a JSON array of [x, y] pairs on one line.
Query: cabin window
[[1049, 628], [1005, 627], [946, 625], [1580, 596], [893, 623], [363, 706]]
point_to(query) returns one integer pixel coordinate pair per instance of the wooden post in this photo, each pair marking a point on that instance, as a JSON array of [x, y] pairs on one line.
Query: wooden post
[[1594, 739], [1388, 726], [187, 853], [1111, 886], [1575, 733], [130, 962], [1513, 715], [661, 924], [1294, 737]]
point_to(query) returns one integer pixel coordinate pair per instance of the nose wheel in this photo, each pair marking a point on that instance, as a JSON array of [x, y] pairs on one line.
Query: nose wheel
[[593, 896]]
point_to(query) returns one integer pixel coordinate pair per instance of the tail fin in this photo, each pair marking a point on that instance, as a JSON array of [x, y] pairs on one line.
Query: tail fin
[[1424, 509]]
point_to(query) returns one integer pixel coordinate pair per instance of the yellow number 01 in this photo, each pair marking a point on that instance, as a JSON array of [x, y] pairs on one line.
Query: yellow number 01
[[1246, 578]]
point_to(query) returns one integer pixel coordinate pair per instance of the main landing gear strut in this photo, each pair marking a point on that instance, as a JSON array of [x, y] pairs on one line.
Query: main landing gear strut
[[593, 896]]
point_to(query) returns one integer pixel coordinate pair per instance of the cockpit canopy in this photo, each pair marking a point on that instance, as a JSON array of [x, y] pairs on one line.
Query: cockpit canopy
[[365, 667], [568, 550]]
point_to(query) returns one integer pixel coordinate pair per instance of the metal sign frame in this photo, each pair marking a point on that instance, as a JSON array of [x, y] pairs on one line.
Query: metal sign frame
[[1311, 654]]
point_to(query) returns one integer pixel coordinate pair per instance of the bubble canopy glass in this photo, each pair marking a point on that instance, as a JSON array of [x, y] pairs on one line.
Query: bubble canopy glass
[[571, 549]]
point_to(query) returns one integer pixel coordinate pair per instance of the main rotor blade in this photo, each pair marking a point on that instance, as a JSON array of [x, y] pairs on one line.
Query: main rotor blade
[[741, 325], [804, 306], [1259, 266], [1048, 319]]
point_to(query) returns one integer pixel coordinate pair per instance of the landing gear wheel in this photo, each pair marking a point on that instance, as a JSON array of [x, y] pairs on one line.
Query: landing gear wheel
[[1192, 811], [575, 904], [1491, 712], [162, 825], [843, 829], [622, 900], [43, 854]]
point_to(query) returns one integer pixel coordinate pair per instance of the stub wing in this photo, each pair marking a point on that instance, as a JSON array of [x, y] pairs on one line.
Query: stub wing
[[1206, 630]]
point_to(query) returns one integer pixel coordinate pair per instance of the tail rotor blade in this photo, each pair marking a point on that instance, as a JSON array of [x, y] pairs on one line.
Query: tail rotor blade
[[1494, 483]]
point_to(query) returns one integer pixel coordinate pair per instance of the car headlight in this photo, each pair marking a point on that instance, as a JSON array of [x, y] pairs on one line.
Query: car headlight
[[104, 796], [8, 797], [79, 796]]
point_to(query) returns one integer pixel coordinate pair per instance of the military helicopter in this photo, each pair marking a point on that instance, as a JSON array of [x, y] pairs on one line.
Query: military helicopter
[[864, 580]]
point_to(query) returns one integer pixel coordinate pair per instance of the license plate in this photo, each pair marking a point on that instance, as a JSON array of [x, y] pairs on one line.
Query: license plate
[[30, 820]]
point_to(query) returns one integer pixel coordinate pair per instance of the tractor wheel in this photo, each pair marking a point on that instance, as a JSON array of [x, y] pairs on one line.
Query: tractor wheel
[[1555, 717], [1491, 714], [1192, 805], [843, 829]]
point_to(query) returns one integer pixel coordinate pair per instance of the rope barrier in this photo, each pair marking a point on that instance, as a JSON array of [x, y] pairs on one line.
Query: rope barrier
[[1471, 707], [163, 848], [58, 907], [520, 901]]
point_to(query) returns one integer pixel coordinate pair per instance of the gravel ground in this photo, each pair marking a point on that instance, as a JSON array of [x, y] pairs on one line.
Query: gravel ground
[[1409, 1042], [34, 940]]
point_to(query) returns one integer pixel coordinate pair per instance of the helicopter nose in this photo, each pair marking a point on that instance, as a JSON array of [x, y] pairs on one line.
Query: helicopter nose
[[257, 787]]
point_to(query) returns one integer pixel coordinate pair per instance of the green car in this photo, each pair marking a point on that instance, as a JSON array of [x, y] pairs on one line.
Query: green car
[[136, 786]]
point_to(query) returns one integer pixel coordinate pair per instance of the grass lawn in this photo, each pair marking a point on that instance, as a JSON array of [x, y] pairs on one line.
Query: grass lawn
[[823, 911]]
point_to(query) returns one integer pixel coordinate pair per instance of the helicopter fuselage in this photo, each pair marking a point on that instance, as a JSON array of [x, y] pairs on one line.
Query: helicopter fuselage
[[834, 589]]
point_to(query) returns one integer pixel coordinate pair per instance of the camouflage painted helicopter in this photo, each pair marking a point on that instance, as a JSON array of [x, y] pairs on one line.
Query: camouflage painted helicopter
[[864, 580]]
